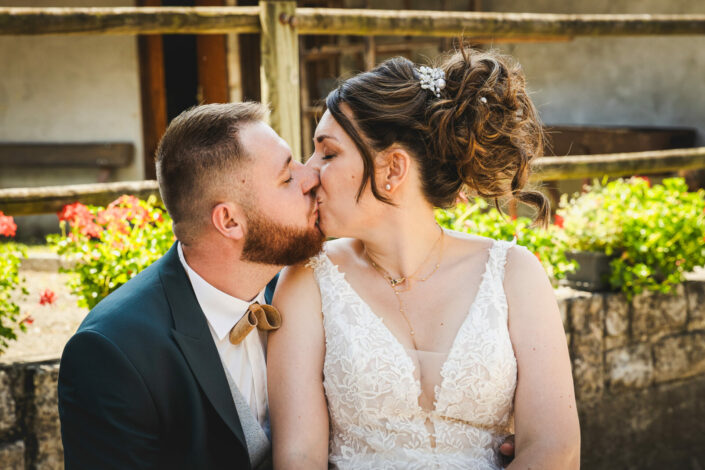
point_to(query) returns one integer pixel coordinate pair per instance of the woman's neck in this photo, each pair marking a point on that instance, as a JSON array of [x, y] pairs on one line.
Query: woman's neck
[[404, 242]]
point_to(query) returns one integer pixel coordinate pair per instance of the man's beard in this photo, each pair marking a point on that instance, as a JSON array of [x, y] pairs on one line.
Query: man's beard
[[269, 242]]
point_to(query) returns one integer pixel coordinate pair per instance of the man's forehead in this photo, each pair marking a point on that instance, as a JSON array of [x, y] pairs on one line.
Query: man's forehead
[[267, 151]]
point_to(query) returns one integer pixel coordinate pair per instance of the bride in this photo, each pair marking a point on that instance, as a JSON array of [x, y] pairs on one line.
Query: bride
[[406, 346]]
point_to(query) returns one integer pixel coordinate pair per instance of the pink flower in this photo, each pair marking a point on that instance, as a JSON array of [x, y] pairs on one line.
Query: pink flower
[[8, 228], [47, 297]]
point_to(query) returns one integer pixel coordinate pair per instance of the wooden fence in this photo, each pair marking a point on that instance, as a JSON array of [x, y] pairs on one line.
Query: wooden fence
[[279, 24]]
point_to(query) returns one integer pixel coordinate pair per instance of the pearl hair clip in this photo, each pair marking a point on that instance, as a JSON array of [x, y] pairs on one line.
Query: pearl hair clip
[[432, 79]]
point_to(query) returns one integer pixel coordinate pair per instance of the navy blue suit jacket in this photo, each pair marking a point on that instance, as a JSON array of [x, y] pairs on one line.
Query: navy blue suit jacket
[[141, 385]]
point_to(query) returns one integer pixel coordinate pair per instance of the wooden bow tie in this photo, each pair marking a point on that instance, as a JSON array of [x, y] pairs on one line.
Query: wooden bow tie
[[263, 317]]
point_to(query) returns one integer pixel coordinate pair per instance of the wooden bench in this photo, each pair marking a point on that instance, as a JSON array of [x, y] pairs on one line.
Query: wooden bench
[[106, 156]]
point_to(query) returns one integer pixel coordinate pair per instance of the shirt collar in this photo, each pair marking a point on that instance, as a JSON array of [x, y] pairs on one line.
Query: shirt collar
[[221, 310]]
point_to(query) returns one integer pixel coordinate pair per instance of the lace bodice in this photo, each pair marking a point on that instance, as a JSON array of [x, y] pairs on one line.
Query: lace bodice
[[376, 420]]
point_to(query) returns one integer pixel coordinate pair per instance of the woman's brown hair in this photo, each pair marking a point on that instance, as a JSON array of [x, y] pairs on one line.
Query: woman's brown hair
[[482, 132]]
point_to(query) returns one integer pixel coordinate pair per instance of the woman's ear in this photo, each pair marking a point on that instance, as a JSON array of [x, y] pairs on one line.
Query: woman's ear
[[228, 219], [394, 168]]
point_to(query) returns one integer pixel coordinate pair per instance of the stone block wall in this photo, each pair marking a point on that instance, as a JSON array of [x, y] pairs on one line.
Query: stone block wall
[[30, 436], [639, 372], [638, 367]]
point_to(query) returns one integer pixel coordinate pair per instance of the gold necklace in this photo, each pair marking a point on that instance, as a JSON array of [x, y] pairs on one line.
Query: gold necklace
[[405, 279]]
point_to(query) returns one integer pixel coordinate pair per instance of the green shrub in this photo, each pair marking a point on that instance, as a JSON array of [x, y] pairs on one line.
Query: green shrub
[[11, 283], [655, 234], [108, 246], [476, 217]]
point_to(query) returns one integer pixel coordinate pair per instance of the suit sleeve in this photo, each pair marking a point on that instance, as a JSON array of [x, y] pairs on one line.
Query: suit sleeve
[[108, 417]]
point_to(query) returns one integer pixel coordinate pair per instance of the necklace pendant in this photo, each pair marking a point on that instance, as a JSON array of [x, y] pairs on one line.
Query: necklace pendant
[[396, 282]]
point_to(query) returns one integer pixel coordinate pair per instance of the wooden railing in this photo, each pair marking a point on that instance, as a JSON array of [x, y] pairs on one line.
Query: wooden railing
[[279, 24], [25, 201]]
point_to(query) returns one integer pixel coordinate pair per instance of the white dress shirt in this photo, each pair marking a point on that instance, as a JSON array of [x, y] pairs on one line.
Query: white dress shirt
[[245, 361]]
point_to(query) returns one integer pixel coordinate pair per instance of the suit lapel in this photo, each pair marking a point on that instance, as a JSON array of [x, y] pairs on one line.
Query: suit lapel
[[195, 341]]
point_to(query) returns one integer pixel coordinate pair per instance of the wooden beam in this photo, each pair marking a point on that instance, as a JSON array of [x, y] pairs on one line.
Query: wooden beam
[[279, 72], [71, 155], [483, 26], [618, 164], [24, 201], [48, 199], [475, 26], [128, 20]]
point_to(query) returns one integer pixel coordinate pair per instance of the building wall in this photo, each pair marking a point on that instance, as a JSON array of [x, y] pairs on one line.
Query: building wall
[[634, 81], [69, 89]]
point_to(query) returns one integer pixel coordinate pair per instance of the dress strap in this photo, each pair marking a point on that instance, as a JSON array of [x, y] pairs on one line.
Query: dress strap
[[498, 257]]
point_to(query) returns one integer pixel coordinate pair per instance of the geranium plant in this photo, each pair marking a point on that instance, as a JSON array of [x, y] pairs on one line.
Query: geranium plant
[[478, 218], [108, 246], [653, 234], [12, 284]]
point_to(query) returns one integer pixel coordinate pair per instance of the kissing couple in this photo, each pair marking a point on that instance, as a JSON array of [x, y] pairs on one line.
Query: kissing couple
[[398, 345]]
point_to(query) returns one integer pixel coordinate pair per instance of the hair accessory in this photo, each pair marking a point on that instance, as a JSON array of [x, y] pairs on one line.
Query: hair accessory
[[432, 79], [483, 99], [388, 187]]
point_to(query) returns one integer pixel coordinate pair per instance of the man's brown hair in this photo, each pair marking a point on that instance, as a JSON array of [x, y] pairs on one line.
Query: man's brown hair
[[199, 149]]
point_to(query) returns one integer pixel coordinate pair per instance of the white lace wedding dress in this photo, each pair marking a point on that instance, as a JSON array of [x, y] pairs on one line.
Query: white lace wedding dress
[[373, 385]]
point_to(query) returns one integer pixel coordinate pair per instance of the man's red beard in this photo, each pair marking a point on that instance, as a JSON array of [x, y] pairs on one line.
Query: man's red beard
[[269, 242]]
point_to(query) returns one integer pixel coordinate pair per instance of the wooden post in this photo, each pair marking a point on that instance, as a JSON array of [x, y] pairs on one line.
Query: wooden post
[[279, 72]]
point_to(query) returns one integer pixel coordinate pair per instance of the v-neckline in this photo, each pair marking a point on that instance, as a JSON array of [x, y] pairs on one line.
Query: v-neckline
[[437, 391]]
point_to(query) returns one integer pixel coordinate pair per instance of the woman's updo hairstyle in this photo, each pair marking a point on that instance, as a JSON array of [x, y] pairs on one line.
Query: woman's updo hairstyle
[[483, 131]]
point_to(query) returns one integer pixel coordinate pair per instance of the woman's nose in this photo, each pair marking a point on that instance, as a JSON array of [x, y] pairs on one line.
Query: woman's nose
[[314, 163], [310, 178]]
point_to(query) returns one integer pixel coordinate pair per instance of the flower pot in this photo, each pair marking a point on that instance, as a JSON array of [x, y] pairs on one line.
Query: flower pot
[[593, 271]]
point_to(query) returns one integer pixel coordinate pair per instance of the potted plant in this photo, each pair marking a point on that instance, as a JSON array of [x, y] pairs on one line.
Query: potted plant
[[631, 236]]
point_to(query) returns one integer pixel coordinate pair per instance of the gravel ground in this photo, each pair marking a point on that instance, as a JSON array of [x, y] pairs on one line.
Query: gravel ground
[[53, 324]]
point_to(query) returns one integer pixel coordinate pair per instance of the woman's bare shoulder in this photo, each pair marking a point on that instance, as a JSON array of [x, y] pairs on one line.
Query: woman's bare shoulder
[[465, 246]]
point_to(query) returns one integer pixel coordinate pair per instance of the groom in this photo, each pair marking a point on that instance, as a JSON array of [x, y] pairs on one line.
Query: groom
[[154, 378]]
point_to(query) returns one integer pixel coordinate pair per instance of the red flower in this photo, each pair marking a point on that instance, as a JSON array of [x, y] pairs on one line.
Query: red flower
[[74, 212], [648, 181], [536, 253], [114, 218], [47, 297], [558, 221], [80, 216], [8, 227], [28, 320]]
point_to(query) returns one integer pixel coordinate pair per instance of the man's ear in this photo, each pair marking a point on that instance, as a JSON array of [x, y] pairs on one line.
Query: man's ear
[[228, 218], [393, 169]]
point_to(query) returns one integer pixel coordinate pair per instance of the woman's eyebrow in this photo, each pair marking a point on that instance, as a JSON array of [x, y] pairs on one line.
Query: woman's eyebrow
[[323, 137]]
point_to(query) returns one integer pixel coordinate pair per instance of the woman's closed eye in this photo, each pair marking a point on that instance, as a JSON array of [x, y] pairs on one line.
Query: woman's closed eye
[[328, 157]]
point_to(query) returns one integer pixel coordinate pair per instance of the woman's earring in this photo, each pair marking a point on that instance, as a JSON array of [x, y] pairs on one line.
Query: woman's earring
[[388, 187]]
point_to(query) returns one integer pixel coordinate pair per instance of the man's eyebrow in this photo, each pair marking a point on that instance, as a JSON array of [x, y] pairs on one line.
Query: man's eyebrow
[[323, 137], [286, 165]]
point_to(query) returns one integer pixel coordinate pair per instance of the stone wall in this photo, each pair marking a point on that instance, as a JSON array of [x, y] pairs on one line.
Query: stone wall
[[639, 371], [30, 436]]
